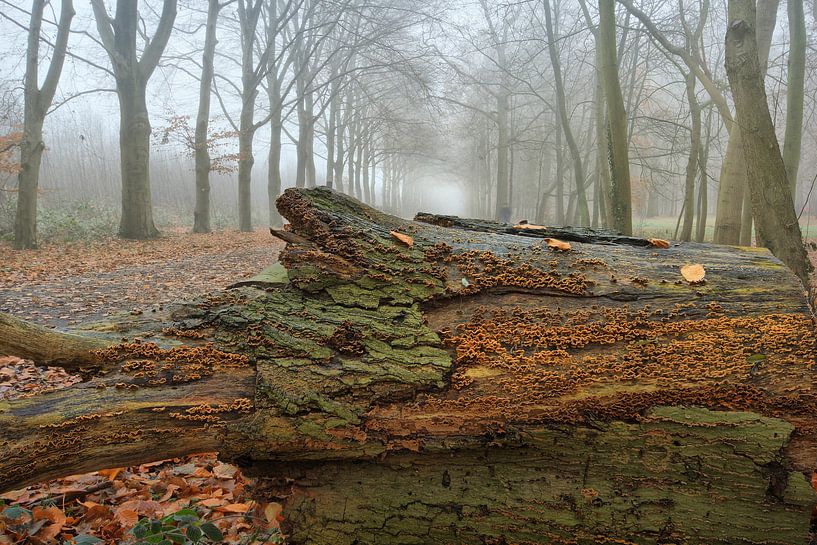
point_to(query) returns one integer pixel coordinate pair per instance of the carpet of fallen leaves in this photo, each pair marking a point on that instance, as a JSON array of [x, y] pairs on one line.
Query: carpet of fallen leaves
[[65, 284], [62, 285]]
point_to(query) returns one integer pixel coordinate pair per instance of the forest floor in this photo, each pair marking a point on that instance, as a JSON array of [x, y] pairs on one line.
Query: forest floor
[[61, 285]]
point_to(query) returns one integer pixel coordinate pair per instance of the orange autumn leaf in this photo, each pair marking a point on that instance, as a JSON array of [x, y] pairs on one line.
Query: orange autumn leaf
[[211, 502], [529, 226], [128, 517], [658, 243], [234, 508], [110, 474], [405, 239], [557, 244], [693, 274], [48, 532]]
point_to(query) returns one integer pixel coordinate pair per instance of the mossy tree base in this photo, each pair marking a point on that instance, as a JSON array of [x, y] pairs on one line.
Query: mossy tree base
[[473, 385]]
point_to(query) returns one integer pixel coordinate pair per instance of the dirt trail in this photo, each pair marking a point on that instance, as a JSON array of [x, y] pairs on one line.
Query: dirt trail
[[65, 285]]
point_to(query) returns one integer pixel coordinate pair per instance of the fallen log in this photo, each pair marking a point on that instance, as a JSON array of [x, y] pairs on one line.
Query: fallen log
[[461, 381]]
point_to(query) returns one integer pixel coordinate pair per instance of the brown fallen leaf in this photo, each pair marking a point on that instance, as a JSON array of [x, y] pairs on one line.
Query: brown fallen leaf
[[127, 517], [52, 514], [557, 244], [234, 508], [405, 239], [529, 226], [658, 243], [211, 502], [694, 274]]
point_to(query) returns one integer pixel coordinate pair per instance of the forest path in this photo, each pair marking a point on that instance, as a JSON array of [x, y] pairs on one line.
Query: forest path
[[79, 282]]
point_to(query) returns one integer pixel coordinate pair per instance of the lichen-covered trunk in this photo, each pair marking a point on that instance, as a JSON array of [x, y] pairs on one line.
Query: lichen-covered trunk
[[464, 381]]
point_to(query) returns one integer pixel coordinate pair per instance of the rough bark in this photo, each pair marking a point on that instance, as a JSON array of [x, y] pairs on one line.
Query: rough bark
[[474, 387], [772, 202], [37, 102]]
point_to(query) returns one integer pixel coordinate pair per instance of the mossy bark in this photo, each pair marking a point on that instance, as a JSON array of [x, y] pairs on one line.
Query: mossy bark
[[470, 385]]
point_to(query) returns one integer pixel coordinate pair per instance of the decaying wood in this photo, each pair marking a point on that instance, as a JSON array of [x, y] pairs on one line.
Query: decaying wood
[[476, 386]]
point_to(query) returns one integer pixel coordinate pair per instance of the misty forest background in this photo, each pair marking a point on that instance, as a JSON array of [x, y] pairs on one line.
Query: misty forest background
[[477, 108]]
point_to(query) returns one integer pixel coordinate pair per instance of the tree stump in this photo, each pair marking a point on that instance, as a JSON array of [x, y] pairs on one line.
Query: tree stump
[[461, 381]]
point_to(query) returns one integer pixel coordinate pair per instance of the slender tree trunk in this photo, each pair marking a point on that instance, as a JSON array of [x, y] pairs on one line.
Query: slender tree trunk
[[274, 172], [37, 101], [692, 160], [795, 92], [575, 153], [560, 180], [602, 147], [330, 132], [621, 205], [354, 185], [503, 189], [309, 144], [301, 150], [373, 176], [201, 213], [703, 196], [771, 193], [246, 159], [363, 168], [31, 152]]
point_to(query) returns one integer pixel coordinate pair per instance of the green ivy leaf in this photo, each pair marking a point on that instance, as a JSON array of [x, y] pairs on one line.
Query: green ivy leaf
[[212, 532], [14, 512]]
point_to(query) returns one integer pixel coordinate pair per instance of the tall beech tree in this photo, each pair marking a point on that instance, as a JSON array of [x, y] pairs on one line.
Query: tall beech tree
[[132, 73], [37, 102]]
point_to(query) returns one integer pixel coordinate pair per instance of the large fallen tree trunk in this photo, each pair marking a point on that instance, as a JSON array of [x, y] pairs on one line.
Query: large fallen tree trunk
[[476, 384]]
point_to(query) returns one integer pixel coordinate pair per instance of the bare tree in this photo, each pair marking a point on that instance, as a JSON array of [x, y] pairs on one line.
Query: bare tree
[[201, 213], [578, 166], [37, 102], [119, 37]]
